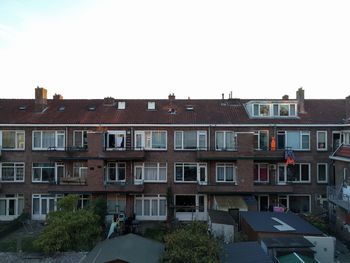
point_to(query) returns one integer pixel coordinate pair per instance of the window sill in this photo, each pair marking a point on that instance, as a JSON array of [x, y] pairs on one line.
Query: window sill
[[12, 182], [12, 150]]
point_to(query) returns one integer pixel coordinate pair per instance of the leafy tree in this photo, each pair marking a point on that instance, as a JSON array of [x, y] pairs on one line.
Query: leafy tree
[[191, 244], [69, 229], [99, 207]]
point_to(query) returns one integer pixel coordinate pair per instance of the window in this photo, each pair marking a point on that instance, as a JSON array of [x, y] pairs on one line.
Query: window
[[190, 203], [261, 140], [46, 140], [42, 204], [298, 173], [321, 140], [116, 172], [151, 105], [12, 172], [225, 141], [12, 140], [43, 172], [190, 140], [121, 105], [150, 207], [261, 173], [295, 140], [115, 140], [150, 172], [11, 206], [80, 170], [80, 139], [299, 203], [151, 140], [83, 201], [322, 173], [275, 110], [346, 137], [226, 172], [191, 172]]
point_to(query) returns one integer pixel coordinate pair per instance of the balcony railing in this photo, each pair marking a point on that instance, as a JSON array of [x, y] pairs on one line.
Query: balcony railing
[[339, 196]]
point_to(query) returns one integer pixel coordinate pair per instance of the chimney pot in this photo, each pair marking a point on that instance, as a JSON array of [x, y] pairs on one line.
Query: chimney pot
[[108, 101], [57, 97], [222, 96], [285, 97], [171, 96]]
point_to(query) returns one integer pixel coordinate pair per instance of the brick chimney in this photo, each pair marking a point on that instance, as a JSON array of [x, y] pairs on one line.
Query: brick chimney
[[301, 100], [57, 97], [347, 108], [40, 99], [108, 101], [285, 97], [171, 97]]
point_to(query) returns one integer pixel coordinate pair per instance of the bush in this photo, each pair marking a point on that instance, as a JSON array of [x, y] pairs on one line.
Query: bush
[[13, 225], [191, 244]]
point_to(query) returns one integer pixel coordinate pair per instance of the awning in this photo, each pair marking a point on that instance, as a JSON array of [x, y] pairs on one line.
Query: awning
[[224, 203]]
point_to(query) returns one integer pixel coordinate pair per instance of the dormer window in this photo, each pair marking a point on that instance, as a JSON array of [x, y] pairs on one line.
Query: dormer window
[[121, 105], [151, 105], [273, 109]]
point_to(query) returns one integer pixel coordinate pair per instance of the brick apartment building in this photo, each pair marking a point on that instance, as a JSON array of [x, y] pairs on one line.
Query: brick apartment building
[[163, 158]]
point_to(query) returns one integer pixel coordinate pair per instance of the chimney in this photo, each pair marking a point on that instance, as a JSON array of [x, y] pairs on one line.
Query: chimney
[[108, 101], [171, 97], [40, 99], [57, 97], [222, 96], [285, 97], [347, 108], [300, 99]]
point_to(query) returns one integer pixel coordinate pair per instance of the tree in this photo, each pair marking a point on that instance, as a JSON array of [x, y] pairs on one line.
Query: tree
[[69, 229], [191, 244]]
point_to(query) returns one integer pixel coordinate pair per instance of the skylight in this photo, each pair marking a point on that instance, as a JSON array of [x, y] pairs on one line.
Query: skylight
[[283, 226], [151, 105], [121, 105], [92, 108], [22, 107], [189, 108], [61, 108]]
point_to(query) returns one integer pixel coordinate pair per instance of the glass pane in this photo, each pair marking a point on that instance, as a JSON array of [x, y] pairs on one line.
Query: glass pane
[[229, 173], [281, 140], [139, 143], [48, 174], [201, 203], [20, 206], [37, 139], [264, 110], [220, 140], [162, 173], [12, 208], [305, 172], [159, 140], [178, 172], [322, 172], [20, 140], [111, 140], [138, 208], [162, 207], [305, 141], [263, 172], [202, 141], [150, 172], [8, 139], [138, 173], [202, 174], [293, 139], [178, 140], [43, 206], [230, 143], [275, 110], [221, 173], [154, 207], [281, 176], [292, 110], [256, 109], [190, 173], [293, 173], [51, 205], [111, 172], [185, 203], [120, 143], [36, 174], [78, 139], [284, 110], [60, 140], [146, 207], [190, 140], [8, 173], [2, 207], [321, 140], [121, 172], [264, 140], [48, 139], [36, 206]]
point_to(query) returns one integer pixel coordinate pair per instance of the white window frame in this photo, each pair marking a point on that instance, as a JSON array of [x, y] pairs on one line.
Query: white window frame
[[151, 105], [150, 217], [48, 197], [141, 166], [7, 198], [57, 133], [121, 105], [225, 145], [192, 215], [146, 141], [288, 196], [199, 133], [198, 166], [268, 173], [226, 165], [286, 175], [116, 134], [117, 164], [326, 171], [272, 112], [41, 172], [301, 133], [16, 165], [82, 139], [257, 133], [80, 170], [326, 141], [17, 133]]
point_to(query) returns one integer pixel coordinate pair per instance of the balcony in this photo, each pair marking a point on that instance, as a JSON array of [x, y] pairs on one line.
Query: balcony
[[124, 187], [213, 154], [268, 155], [273, 187], [223, 188], [339, 196], [126, 154]]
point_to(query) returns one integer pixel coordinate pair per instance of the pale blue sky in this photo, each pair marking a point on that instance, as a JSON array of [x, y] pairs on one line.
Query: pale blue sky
[[197, 49]]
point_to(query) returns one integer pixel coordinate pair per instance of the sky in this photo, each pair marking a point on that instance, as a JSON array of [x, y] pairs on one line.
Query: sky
[[198, 49]]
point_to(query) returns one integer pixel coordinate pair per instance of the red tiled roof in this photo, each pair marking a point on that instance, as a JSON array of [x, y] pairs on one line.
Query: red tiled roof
[[343, 152], [205, 112]]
